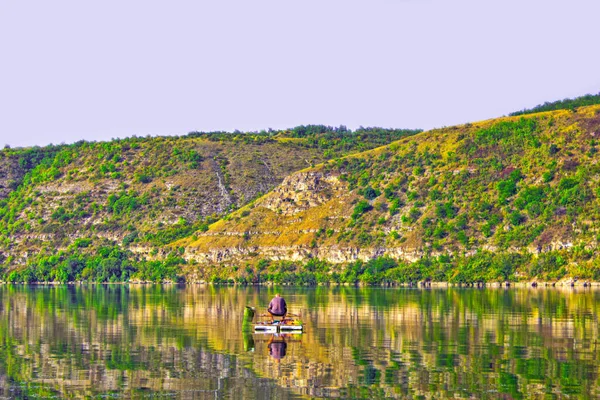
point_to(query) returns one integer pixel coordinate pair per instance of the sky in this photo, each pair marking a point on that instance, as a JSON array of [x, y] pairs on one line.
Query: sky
[[94, 70]]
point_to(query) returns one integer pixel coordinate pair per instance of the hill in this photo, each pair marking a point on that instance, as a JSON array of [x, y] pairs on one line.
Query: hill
[[76, 211], [565, 104], [504, 199]]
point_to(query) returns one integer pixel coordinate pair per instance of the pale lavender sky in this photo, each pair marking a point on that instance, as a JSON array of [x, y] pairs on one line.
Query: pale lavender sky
[[94, 70]]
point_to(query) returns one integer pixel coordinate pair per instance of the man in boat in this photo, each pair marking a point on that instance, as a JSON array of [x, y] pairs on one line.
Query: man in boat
[[277, 307]]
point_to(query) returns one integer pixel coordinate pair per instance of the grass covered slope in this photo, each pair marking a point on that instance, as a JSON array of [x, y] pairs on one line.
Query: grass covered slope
[[565, 104], [65, 210], [499, 199]]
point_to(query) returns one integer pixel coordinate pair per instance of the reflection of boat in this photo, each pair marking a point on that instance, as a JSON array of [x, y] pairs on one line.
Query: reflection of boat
[[286, 325]]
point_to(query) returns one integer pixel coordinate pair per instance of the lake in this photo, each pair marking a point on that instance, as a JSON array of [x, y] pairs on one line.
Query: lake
[[119, 341]]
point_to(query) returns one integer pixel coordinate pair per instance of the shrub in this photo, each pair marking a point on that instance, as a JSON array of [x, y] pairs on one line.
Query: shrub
[[506, 189], [395, 206], [82, 242], [130, 238], [516, 218], [370, 193], [143, 178], [361, 207], [533, 194]]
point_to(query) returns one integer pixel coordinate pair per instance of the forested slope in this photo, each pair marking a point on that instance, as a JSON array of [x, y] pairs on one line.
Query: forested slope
[[77, 211], [511, 198]]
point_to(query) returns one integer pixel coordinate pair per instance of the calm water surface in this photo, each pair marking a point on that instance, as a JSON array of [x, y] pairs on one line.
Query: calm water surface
[[187, 342]]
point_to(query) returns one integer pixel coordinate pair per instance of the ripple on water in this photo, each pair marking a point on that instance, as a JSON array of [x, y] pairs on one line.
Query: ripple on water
[[163, 342]]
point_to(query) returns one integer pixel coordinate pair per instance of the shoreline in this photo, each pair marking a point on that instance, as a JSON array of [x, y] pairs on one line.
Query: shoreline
[[569, 283]]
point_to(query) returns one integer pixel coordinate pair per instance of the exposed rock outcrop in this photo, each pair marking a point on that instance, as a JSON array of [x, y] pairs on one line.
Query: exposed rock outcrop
[[11, 174], [301, 191]]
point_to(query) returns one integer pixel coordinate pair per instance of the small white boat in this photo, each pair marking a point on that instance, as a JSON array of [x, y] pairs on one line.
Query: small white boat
[[266, 328], [279, 326]]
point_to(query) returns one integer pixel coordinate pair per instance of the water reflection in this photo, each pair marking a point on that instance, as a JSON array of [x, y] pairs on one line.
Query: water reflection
[[149, 341], [277, 347]]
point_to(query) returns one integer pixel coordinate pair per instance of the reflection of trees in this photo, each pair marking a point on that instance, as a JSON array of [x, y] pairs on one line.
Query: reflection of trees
[[74, 340], [358, 342]]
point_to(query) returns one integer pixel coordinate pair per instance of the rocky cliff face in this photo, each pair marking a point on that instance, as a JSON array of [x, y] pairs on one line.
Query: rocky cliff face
[[301, 192], [307, 206], [280, 225]]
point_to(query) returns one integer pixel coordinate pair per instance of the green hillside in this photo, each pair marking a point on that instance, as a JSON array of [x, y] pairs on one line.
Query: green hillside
[[565, 104], [513, 198], [105, 211], [505, 199]]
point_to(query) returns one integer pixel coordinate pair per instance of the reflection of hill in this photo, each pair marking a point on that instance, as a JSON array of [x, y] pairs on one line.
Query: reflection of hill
[[358, 342], [89, 341]]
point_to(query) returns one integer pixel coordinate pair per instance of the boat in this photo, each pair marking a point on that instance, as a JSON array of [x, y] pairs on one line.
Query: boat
[[287, 325], [290, 324]]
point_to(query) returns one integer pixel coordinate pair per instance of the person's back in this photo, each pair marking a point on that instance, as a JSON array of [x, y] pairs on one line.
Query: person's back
[[277, 306]]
